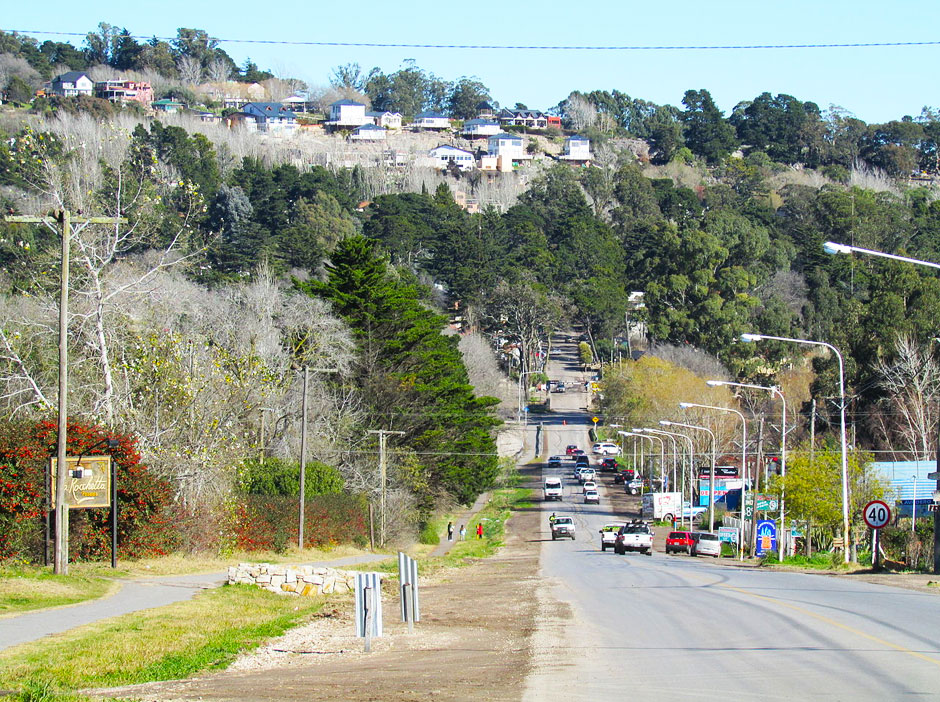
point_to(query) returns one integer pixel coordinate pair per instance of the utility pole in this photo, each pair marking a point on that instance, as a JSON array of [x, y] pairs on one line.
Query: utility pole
[[383, 471], [64, 220]]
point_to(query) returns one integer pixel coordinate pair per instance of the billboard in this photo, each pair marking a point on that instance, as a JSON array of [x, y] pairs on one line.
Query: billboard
[[87, 482]]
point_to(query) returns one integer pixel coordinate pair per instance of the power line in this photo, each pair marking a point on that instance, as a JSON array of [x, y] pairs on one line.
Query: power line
[[518, 47]]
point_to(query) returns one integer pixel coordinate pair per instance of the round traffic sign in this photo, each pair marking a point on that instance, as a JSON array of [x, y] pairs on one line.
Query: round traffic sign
[[877, 514]]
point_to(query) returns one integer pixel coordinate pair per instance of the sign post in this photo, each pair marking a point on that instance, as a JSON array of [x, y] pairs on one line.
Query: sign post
[[766, 537], [877, 515]]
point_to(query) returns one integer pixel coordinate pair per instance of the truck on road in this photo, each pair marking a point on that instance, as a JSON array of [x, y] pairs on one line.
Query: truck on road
[[664, 506], [552, 489]]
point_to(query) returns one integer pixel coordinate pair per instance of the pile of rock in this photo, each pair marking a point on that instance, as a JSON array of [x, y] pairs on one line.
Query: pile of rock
[[298, 580]]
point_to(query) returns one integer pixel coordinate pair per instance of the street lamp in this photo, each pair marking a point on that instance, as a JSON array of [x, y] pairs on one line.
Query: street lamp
[[834, 248], [519, 393], [783, 438], [689, 405], [845, 463], [682, 486], [662, 450], [711, 472], [675, 457]]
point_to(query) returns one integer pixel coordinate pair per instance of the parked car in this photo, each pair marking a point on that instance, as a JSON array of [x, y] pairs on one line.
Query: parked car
[[706, 544], [606, 448], [559, 388], [635, 536], [625, 475], [570, 449], [679, 541], [609, 464], [633, 487], [589, 485], [608, 534], [592, 497], [563, 527]]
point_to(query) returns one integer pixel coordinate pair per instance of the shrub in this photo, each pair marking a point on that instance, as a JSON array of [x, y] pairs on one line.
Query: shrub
[[429, 535], [277, 477]]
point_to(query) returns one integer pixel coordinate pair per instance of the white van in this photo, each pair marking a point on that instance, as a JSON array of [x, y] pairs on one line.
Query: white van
[[552, 489]]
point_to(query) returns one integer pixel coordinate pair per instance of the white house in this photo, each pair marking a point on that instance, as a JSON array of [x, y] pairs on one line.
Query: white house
[[431, 120], [71, 84], [442, 156], [347, 114], [578, 149], [389, 120], [271, 116], [368, 132], [479, 128], [508, 146]]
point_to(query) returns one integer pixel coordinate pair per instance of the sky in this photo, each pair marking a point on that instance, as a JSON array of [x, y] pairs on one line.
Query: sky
[[876, 84]]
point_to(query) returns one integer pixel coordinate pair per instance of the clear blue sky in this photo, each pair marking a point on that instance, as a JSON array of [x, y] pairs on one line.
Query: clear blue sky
[[876, 84]]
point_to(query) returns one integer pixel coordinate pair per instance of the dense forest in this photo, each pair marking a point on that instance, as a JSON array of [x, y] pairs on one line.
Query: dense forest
[[192, 323]]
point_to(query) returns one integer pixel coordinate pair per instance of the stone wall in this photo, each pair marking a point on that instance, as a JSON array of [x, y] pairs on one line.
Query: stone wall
[[289, 579]]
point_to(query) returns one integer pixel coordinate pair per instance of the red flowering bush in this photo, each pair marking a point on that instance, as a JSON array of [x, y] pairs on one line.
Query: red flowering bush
[[144, 524]]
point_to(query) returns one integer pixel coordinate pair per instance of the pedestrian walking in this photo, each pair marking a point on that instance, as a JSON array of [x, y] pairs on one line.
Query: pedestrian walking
[[450, 531], [479, 530], [463, 532]]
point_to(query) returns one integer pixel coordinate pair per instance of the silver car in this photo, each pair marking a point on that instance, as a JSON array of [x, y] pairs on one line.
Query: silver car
[[705, 544]]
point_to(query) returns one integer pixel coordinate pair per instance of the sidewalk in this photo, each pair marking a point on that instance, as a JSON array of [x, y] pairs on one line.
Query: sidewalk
[[445, 546], [134, 595]]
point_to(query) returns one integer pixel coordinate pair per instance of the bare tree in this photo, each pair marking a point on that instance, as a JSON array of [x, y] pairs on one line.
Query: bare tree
[[580, 112], [218, 71], [190, 70]]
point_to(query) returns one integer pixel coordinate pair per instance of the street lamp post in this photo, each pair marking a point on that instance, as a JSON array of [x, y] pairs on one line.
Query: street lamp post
[[834, 248], [711, 472], [675, 458], [688, 405], [662, 449], [783, 440], [682, 486], [519, 394], [845, 460]]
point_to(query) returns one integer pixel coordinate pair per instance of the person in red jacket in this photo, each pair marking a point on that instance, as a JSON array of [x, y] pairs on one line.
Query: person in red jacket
[[479, 530]]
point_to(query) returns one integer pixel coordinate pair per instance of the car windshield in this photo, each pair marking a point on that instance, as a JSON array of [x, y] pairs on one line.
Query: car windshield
[[636, 529], [562, 520], [708, 537], [612, 527]]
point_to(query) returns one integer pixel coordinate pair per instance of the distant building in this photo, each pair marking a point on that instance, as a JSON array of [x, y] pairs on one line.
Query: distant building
[[232, 94], [368, 132], [166, 105], [577, 150], [271, 116], [474, 128], [442, 156], [346, 114], [389, 120], [124, 91], [532, 119], [70, 84], [431, 120]]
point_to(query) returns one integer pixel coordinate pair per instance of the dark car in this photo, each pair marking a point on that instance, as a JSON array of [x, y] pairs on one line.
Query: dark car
[[582, 461], [680, 541], [609, 464], [625, 475], [554, 462]]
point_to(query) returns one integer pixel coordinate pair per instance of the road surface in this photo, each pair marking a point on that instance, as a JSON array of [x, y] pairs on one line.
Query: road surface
[[678, 628]]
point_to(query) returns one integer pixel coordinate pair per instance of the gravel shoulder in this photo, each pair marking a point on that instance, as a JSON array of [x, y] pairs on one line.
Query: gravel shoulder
[[472, 642]]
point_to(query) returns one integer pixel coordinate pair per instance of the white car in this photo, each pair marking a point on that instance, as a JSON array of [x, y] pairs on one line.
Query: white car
[[705, 544], [609, 534], [589, 485], [592, 496], [586, 474], [606, 448]]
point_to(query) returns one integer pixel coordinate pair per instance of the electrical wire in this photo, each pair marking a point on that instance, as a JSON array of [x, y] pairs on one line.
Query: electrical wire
[[518, 47]]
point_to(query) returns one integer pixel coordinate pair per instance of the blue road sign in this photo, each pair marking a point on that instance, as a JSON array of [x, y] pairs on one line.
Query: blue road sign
[[766, 536]]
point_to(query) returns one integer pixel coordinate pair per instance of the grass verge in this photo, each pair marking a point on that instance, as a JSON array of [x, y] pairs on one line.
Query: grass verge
[[167, 643], [24, 589]]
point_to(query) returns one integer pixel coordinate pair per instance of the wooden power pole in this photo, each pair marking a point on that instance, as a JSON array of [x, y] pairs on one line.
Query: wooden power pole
[[64, 220]]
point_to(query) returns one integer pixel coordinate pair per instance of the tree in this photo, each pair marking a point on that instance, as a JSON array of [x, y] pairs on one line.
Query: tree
[[100, 46], [465, 98], [707, 133], [348, 77]]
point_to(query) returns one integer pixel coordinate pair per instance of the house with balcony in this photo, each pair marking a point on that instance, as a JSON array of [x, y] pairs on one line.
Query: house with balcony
[[445, 155], [476, 128], [577, 150], [70, 84], [271, 117], [531, 119], [509, 150], [388, 120], [368, 132], [431, 121], [346, 114], [124, 91]]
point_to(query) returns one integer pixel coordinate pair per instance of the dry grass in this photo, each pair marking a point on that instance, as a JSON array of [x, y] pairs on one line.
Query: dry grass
[[24, 590]]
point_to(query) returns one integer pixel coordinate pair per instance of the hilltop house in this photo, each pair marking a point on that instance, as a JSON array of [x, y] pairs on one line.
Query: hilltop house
[[431, 120], [473, 128], [442, 156], [124, 91], [577, 150], [388, 120], [232, 94], [271, 116], [532, 119], [346, 114], [166, 105], [70, 84], [368, 132]]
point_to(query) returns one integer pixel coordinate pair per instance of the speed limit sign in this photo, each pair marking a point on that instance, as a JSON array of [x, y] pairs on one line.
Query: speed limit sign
[[877, 514]]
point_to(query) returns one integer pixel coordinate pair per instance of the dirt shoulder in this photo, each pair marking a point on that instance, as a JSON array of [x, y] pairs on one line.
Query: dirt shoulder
[[472, 642]]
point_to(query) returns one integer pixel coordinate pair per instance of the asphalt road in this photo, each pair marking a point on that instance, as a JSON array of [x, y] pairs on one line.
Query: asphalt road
[[672, 627]]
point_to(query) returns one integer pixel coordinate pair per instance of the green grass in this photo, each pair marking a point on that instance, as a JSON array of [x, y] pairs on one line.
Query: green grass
[[167, 643], [26, 588]]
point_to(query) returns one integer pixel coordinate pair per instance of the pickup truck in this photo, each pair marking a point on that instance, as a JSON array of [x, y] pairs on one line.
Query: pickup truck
[[635, 536], [563, 527], [609, 534], [552, 489]]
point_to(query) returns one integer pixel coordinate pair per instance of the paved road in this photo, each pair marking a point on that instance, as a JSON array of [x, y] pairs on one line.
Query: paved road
[[134, 595], [678, 628]]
